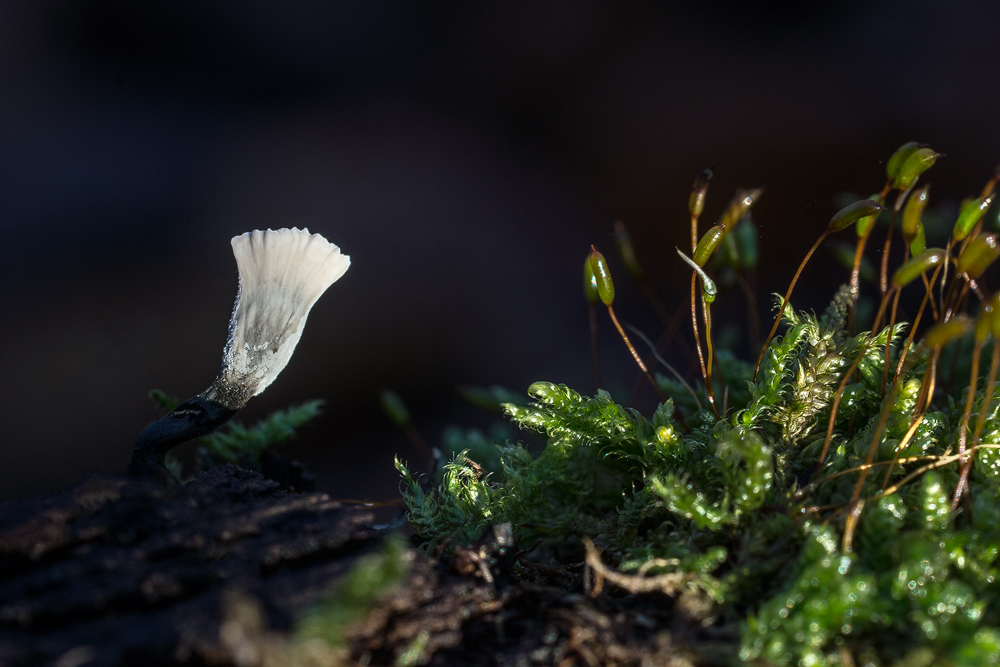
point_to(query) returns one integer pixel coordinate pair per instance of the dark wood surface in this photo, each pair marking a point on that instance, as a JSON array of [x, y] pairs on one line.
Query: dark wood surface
[[116, 571]]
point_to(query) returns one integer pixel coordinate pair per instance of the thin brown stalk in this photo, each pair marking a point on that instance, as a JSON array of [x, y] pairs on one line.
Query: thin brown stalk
[[784, 303], [944, 278], [635, 355], [963, 432], [706, 312], [888, 340], [706, 371], [667, 365], [983, 411], [914, 425], [897, 205], [840, 388], [928, 295], [859, 252], [857, 504]]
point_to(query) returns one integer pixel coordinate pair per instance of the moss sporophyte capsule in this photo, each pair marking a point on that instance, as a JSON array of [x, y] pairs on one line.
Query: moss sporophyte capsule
[[912, 214], [627, 252], [852, 213], [590, 282], [972, 212], [707, 245], [605, 286], [865, 223], [741, 203], [978, 255], [910, 271], [919, 243], [899, 157], [944, 333], [984, 322], [696, 203], [995, 320], [915, 164]]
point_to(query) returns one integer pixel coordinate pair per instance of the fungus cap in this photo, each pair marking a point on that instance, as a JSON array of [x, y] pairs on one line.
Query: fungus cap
[[282, 274]]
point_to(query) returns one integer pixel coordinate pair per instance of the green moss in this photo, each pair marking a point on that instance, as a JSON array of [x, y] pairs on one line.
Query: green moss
[[857, 557]]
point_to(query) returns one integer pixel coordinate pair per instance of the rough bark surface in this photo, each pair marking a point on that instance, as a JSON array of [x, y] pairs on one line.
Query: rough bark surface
[[120, 572], [116, 571]]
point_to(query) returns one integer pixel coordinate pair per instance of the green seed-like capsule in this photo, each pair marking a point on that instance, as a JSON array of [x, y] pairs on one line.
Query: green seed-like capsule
[[917, 163], [852, 213], [605, 287], [696, 203], [995, 320], [707, 284], [590, 282], [745, 235], [910, 271], [944, 333], [984, 322], [919, 241], [627, 252], [912, 213], [972, 212], [741, 203], [707, 245], [865, 224], [899, 157], [978, 255], [395, 408]]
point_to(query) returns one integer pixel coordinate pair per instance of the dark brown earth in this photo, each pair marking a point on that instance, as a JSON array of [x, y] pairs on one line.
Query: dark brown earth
[[116, 571]]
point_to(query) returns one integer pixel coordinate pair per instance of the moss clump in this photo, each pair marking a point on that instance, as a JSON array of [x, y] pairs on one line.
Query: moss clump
[[833, 509]]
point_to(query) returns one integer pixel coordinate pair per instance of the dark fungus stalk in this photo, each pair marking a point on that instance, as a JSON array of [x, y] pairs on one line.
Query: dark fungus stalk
[[282, 274], [606, 290]]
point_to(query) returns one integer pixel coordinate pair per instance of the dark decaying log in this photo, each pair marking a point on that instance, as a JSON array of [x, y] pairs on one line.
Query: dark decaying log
[[118, 572]]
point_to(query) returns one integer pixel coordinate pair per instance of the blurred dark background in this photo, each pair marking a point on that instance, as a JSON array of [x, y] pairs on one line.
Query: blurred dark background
[[464, 154]]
